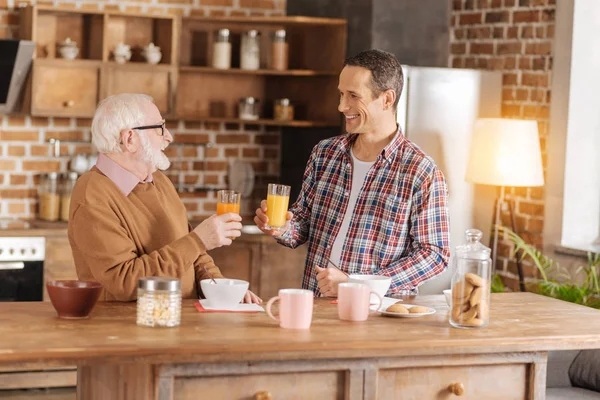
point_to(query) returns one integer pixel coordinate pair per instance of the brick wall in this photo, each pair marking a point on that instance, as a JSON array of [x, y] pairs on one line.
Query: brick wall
[[25, 152], [515, 37]]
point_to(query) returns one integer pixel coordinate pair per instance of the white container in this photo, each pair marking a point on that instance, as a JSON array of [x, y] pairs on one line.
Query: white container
[[152, 54], [222, 50], [159, 302], [250, 50], [225, 294], [378, 283]]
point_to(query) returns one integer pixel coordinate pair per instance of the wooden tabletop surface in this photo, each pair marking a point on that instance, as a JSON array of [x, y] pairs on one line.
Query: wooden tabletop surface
[[519, 322]]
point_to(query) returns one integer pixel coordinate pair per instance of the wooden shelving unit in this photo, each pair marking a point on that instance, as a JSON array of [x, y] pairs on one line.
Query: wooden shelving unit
[[316, 54], [183, 84], [73, 88]]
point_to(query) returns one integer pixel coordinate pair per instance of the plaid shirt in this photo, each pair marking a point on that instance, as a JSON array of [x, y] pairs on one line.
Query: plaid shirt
[[399, 226]]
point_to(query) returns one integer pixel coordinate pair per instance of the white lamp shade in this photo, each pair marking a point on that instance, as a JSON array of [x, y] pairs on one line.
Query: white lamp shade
[[505, 152]]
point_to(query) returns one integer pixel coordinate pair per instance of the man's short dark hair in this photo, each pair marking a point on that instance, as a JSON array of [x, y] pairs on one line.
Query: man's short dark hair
[[386, 71]]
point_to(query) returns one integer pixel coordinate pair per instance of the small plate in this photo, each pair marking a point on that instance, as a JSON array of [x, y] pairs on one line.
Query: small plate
[[409, 315]]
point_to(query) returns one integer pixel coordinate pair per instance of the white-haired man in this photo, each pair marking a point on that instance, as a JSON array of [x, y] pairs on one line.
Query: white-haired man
[[126, 220]]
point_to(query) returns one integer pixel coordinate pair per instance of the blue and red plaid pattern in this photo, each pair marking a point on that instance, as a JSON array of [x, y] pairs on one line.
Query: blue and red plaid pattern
[[399, 226]]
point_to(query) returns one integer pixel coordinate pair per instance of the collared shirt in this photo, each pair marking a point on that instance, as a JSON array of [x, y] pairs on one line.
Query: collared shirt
[[124, 179], [400, 224]]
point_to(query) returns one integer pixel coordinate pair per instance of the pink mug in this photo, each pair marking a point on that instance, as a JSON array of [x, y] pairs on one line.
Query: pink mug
[[354, 301], [295, 310]]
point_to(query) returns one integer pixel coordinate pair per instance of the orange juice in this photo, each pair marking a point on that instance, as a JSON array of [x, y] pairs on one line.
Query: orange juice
[[224, 208], [277, 206]]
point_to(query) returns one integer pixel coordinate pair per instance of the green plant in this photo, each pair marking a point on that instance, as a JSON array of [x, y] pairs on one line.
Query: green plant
[[556, 281]]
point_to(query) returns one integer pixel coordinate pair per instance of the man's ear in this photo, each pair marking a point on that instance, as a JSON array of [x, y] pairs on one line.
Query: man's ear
[[389, 97], [127, 138]]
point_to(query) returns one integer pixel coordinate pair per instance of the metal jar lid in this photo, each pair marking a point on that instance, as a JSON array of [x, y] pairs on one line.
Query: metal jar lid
[[159, 283], [252, 33], [223, 34], [279, 34], [249, 100], [283, 102], [53, 176]]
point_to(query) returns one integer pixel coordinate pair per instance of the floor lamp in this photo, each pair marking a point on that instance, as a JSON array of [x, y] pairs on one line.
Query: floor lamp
[[505, 152]]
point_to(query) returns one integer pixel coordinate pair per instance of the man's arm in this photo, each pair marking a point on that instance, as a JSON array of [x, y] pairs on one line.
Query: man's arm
[[97, 236], [430, 231]]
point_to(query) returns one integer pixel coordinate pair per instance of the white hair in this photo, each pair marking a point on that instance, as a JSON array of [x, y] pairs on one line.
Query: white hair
[[115, 113]]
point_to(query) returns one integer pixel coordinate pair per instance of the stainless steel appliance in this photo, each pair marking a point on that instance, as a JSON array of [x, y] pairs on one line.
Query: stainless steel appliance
[[22, 268]]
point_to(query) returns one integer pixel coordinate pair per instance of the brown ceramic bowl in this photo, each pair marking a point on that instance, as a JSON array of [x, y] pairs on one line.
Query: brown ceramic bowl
[[73, 299]]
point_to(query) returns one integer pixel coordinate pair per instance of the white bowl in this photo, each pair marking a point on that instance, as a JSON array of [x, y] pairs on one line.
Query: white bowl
[[448, 294], [226, 293], [378, 283]]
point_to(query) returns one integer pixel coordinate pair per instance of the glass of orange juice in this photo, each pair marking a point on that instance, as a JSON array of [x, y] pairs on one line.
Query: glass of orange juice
[[228, 201], [278, 197]]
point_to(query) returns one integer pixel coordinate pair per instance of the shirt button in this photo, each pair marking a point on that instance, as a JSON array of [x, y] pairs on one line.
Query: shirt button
[[348, 165], [346, 194]]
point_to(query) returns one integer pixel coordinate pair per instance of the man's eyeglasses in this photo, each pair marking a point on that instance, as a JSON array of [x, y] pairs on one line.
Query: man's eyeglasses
[[161, 126]]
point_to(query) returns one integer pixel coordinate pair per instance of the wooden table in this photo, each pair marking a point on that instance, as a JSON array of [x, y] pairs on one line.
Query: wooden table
[[234, 356]]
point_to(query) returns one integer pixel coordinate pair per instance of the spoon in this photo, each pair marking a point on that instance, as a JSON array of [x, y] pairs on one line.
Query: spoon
[[331, 262], [209, 275]]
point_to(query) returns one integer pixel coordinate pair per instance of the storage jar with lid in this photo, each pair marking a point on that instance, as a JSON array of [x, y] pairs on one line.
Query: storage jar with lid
[[65, 194], [250, 50], [471, 283], [279, 51], [49, 197], [159, 302], [283, 110], [221, 58], [248, 108]]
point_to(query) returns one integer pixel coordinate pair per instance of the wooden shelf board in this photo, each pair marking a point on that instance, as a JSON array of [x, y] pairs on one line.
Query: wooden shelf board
[[279, 20], [269, 122], [238, 71]]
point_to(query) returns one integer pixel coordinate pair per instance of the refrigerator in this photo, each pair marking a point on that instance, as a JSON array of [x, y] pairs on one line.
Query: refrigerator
[[437, 111]]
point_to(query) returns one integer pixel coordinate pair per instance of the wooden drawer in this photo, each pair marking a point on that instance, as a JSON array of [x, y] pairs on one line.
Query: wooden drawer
[[156, 81], [490, 382], [65, 90], [301, 385]]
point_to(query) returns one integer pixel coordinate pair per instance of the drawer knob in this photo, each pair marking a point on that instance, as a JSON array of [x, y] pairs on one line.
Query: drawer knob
[[69, 103], [457, 388], [264, 395]]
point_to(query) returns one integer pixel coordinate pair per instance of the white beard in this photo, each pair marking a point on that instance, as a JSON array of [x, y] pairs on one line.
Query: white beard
[[156, 158]]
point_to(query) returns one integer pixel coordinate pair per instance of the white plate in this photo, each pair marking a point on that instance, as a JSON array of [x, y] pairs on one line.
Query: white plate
[[387, 301], [237, 307], [409, 306]]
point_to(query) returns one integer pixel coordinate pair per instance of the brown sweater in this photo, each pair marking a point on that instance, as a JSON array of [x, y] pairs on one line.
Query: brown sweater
[[117, 239]]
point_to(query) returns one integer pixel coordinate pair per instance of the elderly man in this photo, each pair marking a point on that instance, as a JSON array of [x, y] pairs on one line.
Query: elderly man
[[371, 201], [126, 220]]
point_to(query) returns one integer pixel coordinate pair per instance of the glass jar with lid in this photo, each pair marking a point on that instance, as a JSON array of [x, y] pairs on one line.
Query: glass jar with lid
[[68, 183], [159, 302], [279, 51], [250, 50], [49, 197], [221, 57], [471, 283], [283, 110], [248, 108]]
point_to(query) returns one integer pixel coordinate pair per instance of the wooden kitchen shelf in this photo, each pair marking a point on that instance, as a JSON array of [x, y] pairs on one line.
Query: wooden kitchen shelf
[[290, 72], [269, 122], [183, 84]]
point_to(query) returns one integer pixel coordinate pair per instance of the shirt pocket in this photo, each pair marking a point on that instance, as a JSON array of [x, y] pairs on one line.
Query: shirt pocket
[[393, 237]]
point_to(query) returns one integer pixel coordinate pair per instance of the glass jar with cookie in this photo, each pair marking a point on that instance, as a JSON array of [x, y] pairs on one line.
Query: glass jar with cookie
[[471, 283]]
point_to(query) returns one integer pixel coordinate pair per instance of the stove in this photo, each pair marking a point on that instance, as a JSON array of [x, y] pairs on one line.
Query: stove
[[22, 268]]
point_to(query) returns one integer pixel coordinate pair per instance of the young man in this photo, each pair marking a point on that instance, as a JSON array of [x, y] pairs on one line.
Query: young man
[[126, 220], [371, 201]]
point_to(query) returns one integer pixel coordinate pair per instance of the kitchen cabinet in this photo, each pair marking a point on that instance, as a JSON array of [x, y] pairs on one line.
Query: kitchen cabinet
[[73, 88], [183, 84]]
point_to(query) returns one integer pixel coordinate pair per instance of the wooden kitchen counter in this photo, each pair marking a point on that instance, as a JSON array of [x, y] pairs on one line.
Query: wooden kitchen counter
[[240, 355]]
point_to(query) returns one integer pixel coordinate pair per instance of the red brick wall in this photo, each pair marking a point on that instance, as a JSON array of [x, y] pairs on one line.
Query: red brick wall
[[25, 153], [515, 37]]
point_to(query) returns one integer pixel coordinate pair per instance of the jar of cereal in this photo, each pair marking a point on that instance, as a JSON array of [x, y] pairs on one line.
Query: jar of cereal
[[159, 302], [471, 283]]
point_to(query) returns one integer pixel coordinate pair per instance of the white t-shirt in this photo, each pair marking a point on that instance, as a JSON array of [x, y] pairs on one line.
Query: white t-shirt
[[359, 173]]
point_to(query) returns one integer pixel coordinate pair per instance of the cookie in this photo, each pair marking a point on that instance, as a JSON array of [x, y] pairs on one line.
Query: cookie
[[397, 308], [418, 310], [474, 279], [461, 291]]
